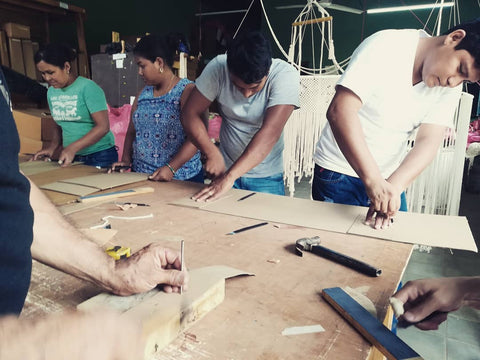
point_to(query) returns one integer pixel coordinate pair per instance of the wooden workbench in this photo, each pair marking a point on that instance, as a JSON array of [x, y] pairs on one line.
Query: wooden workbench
[[285, 291]]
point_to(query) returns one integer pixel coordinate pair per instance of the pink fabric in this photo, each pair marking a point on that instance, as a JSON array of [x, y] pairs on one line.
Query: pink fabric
[[473, 132], [119, 119], [214, 127]]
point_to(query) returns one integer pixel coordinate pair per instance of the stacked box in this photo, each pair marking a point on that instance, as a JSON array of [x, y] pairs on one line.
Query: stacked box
[[17, 31], [35, 128], [16, 55], [20, 49], [28, 54]]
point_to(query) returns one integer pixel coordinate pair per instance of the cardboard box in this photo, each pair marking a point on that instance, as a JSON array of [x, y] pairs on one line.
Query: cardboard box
[[35, 129], [30, 68], [34, 124], [30, 146], [4, 59], [18, 31], [16, 55]]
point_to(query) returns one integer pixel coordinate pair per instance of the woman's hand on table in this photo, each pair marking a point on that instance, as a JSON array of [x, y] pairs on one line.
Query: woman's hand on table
[[44, 154], [66, 157], [120, 166], [162, 174]]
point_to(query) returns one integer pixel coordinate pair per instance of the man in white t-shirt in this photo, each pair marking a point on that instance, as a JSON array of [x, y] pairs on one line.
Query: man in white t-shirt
[[397, 81], [256, 95]]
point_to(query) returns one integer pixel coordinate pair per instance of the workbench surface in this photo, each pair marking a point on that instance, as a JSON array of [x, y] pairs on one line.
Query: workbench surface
[[285, 291]]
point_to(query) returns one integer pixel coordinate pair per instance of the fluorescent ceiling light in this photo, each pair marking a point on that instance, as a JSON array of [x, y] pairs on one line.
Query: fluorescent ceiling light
[[221, 12], [326, 5], [282, 7], [409, 7], [344, 8]]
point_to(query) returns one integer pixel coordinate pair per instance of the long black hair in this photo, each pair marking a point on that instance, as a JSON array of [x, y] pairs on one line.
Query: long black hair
[[152, 46], [55, 54]]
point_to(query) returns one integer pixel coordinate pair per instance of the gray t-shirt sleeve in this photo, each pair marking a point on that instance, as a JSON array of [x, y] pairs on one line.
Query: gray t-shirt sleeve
[[285, 85], [210, 81]]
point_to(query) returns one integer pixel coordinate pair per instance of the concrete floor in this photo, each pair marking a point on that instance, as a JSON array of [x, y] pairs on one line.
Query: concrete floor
[[459, 337]]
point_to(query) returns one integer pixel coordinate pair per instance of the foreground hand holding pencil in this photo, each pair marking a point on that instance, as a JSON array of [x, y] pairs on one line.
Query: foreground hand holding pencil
[[423, 297]]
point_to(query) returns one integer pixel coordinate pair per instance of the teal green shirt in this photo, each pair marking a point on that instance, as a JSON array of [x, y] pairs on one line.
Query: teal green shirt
[[71, 108]]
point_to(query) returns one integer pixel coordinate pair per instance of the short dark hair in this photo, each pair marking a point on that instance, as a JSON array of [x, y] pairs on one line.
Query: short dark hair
[[249, 56], [55, 54], [471, 41], [152, 46]]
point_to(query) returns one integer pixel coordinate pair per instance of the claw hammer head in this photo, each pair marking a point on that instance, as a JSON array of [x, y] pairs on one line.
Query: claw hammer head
[[305, 244]]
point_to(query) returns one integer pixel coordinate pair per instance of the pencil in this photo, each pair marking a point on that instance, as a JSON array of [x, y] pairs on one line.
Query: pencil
[[246, 196], [247, 228]]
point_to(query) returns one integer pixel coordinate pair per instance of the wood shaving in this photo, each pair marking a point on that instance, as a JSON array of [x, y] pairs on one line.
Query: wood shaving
[[273, 261], [125, 207]]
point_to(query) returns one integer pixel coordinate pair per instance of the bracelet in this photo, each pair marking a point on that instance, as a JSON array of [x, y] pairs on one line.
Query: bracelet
[[171, 169]]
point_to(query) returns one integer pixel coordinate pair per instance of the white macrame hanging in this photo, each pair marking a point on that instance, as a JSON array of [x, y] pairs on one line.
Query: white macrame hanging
[[317, 87], [437, 190]]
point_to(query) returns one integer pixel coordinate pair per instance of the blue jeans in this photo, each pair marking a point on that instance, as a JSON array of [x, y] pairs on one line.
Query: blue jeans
[[270, 184], [331, 186], [103, 158]]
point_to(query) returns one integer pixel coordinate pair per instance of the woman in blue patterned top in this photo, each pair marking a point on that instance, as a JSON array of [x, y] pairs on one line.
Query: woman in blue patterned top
[[155, 142]]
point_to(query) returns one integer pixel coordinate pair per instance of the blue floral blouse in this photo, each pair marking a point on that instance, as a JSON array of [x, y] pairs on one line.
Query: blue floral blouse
[[159, 133]]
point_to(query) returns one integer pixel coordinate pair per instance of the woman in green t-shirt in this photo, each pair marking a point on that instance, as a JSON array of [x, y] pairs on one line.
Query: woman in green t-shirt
[[79, 108]]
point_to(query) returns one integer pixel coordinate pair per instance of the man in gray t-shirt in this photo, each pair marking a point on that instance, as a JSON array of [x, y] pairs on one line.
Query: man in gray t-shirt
[[256, 95]]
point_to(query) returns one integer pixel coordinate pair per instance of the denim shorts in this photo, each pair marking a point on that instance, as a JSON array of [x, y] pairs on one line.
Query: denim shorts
[[103, 158], [331, 186], [270, 184]]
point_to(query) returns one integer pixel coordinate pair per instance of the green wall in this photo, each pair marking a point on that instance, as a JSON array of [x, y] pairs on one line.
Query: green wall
[[129, 18], [135, 17]]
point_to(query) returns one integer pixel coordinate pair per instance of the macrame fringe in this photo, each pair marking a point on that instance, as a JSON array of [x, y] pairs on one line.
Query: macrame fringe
[[304, 127], [437, 190]]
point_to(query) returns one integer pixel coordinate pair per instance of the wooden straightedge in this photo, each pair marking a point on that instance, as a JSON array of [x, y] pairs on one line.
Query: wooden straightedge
[[373, 330]]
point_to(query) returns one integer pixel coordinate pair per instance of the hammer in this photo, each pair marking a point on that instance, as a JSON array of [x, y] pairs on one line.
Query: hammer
[[313, 245]]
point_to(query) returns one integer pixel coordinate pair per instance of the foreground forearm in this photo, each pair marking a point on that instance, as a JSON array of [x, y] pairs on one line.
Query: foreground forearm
[[99, 335], [66, 249], [472, 294]]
